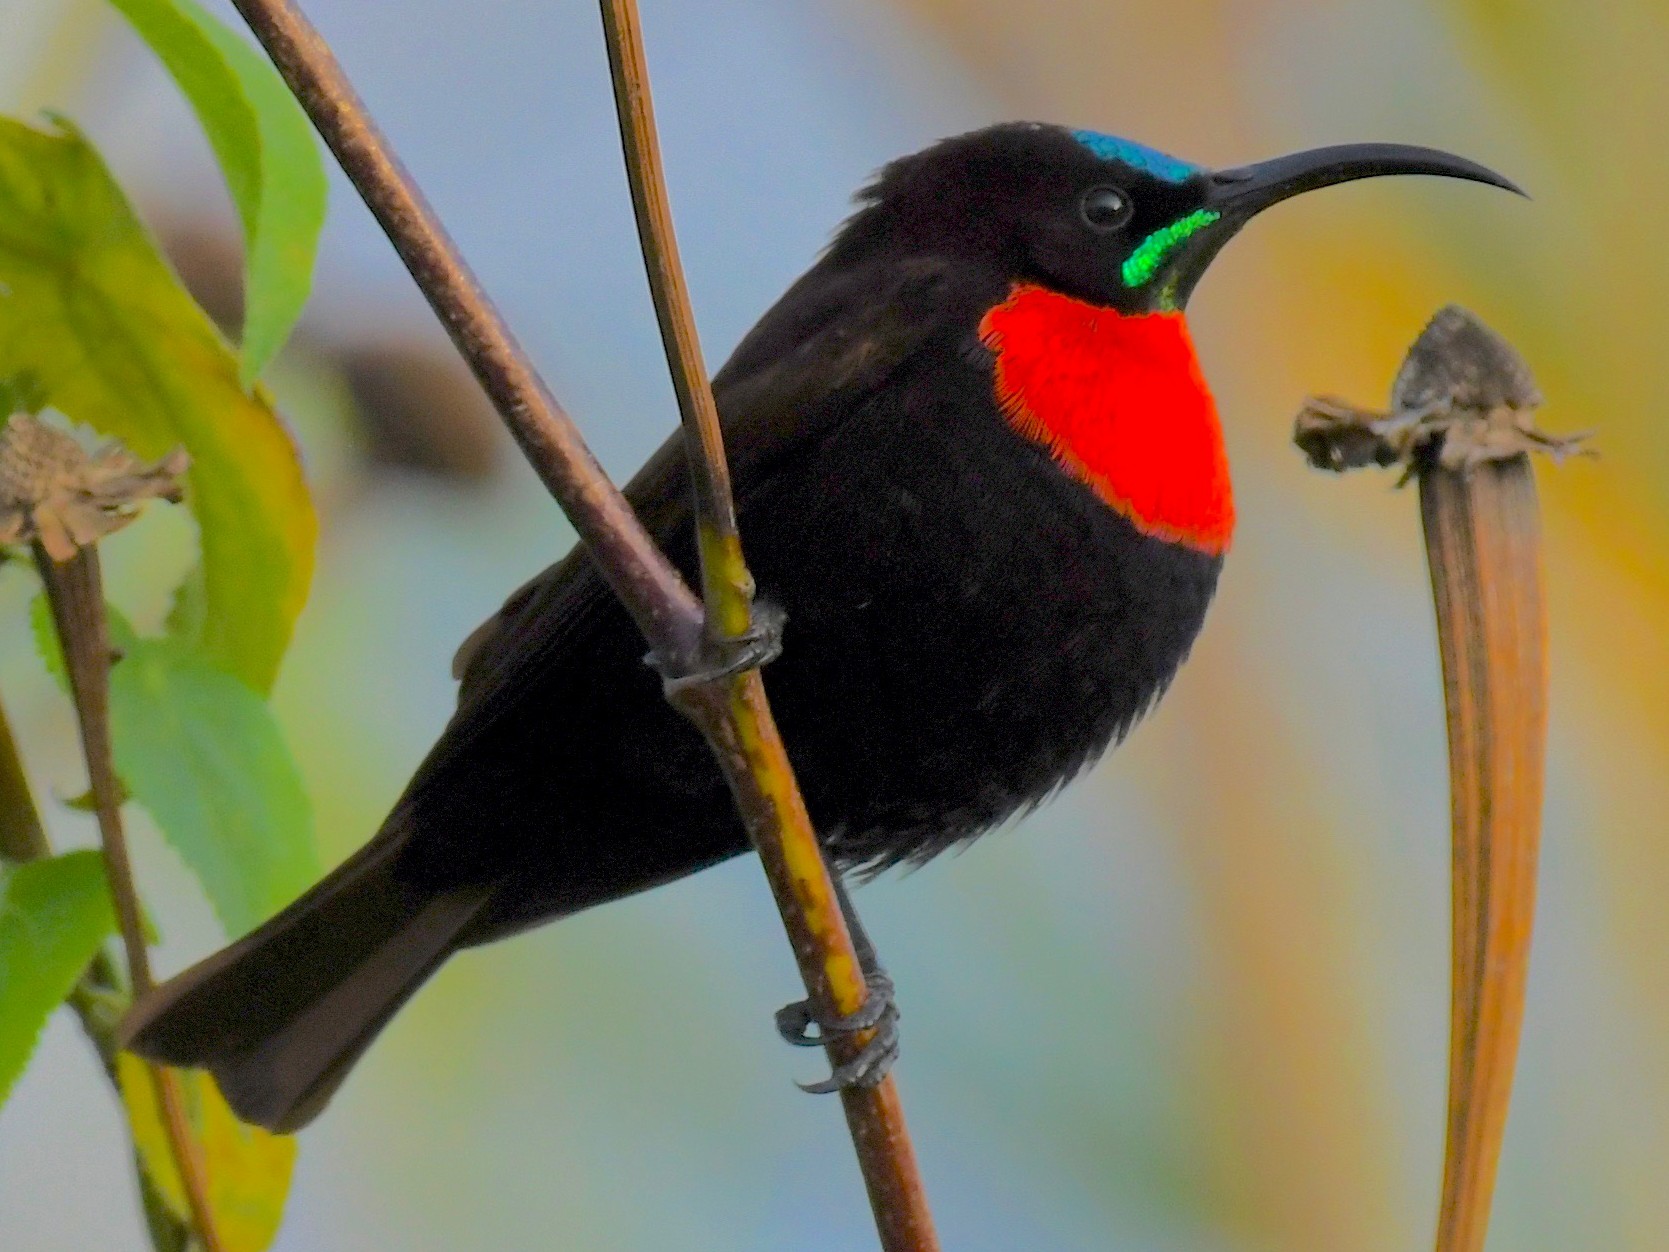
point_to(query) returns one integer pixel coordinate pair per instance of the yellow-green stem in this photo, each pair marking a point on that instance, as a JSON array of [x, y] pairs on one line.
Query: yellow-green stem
[[738, 724]]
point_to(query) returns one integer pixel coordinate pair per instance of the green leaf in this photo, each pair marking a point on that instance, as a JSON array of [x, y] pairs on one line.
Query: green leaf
[[267, 154], [46, 640], [189, 612], [53, 916], [202, 753], [247, 1170], [90, 309]]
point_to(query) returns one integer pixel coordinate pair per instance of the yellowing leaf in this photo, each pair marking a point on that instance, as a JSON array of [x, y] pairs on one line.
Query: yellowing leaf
[[247, 1170], [89, 309]]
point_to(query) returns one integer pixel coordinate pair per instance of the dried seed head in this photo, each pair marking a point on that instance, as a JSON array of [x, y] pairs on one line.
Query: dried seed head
[[1463, 397], [1459, 363], [55, 493]]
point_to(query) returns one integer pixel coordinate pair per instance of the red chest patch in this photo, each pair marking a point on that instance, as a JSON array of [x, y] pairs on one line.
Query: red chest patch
[[1121, 403]]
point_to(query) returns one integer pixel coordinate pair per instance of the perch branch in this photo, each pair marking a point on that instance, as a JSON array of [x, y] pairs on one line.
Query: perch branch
[[734, 713], [731, 711], [727, 589]]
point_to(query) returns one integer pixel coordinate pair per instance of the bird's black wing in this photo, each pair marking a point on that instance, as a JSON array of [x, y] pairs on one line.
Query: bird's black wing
[[835, 337]]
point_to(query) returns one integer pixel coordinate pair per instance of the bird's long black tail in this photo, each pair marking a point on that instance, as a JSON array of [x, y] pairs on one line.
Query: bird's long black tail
[[280, 1016]]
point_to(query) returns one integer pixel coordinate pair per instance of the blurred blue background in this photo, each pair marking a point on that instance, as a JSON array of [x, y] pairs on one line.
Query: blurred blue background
[[1199, 1002]]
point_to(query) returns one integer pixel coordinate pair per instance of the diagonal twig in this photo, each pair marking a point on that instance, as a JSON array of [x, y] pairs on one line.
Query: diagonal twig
[[730, 710], [664, 608], [1460, 422]]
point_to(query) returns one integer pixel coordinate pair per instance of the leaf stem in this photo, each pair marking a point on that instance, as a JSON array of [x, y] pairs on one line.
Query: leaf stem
[[75, 593], [22, 837]]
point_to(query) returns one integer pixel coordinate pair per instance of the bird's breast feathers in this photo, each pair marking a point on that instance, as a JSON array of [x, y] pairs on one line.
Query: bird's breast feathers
[[1121, 404]]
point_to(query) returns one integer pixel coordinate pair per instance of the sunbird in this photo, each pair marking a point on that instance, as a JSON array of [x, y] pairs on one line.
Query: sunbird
[[982, 488]]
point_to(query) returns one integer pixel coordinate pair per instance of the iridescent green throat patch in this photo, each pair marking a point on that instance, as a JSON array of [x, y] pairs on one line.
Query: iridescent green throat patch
[[1150, 254]]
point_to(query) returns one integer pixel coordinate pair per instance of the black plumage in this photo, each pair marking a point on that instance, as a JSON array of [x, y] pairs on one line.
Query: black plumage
[[967, 624]]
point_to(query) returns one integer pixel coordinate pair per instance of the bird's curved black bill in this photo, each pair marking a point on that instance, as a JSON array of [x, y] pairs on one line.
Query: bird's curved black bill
[[1249, 189], [1234, 196]]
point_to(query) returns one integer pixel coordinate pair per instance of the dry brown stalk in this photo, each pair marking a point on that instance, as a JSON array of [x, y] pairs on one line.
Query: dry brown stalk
[[60, 500], [1460, 421], [98, 999]]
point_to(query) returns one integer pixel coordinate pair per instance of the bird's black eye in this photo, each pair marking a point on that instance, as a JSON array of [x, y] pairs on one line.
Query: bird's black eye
[[1105, 208]]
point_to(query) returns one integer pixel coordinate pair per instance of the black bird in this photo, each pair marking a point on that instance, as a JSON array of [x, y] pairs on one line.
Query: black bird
[[979, 473]]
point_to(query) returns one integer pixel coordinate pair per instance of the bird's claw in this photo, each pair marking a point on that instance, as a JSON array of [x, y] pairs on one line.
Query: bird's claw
[[866, 1069], [879, 1014], [725, 658], [794, 1021]]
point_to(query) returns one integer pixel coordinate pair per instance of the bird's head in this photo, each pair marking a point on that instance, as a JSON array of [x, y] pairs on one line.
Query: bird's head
[[1103, 219]]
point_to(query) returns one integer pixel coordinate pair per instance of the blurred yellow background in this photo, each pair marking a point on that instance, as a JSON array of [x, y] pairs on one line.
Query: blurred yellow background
[[1200, 1001]]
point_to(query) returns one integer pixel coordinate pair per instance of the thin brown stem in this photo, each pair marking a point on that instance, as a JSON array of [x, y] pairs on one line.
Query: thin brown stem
[[727, 589], [755, 762], [22, 837], [665, 609], [188, 1156], [75, 593], [737, 720], [98, 998]]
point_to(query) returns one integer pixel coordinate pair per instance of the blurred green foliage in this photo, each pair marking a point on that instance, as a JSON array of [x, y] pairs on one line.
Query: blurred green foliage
[[201, 752], [54, 913], [97, 326]]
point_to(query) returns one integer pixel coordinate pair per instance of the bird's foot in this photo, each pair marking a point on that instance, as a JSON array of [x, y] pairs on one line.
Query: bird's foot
[[725, 658], [879, 1014]]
